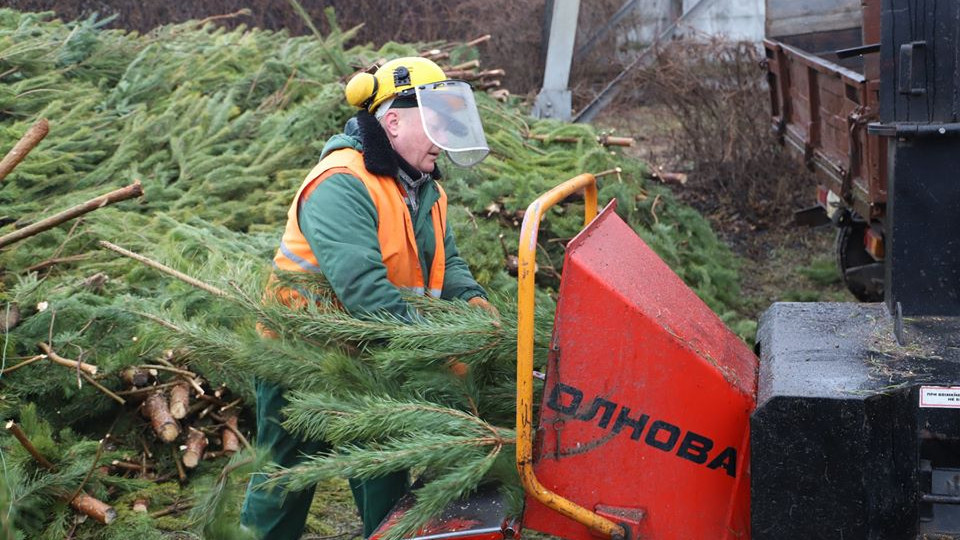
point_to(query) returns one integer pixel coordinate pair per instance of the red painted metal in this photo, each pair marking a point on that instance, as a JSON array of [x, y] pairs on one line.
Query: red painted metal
[[647, 401], [483, 516]]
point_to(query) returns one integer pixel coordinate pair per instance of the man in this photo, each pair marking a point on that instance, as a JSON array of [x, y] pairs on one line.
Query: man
[[372, 219]]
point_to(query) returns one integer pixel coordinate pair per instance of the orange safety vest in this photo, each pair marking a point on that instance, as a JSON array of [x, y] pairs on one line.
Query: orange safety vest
[[398, 245]]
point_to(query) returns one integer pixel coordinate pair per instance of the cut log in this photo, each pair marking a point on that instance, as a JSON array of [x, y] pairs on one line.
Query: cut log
[[164, 425], [135, 376], [180, 400], [193, 450], [610, 140], [228, 436], [95, 508]]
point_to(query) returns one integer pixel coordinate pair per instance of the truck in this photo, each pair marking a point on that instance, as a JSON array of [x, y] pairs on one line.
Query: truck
[[823, 72], [843, 422]]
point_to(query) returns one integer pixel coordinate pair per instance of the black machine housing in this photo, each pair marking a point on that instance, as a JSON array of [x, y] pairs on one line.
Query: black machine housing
[[856, 434]]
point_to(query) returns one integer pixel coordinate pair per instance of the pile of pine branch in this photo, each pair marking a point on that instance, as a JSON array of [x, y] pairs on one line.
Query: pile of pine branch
[[219, 128]]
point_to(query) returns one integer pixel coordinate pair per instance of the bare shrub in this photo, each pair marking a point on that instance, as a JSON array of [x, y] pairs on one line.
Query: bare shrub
[[516, 27], [717, 93]]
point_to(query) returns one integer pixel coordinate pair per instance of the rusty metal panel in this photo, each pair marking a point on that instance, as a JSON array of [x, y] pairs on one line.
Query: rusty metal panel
[[647, 399], [830, 107]]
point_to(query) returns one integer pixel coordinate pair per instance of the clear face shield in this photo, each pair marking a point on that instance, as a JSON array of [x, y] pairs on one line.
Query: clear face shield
[[451, 121]]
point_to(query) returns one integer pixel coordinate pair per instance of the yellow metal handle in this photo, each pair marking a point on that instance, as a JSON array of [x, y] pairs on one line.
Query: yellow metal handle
[[525, 311]]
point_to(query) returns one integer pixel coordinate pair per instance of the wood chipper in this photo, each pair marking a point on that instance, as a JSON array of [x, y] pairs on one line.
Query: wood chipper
[[657, 422]]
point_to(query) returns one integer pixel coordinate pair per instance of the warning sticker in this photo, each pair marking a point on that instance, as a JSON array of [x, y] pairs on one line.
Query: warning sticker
[[940, 396]]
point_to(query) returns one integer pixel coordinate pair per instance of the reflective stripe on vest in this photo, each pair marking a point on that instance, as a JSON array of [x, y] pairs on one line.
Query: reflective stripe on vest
[[399, 251]]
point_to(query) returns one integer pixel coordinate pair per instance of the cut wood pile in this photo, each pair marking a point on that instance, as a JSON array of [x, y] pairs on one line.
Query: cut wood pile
[[129, 342]]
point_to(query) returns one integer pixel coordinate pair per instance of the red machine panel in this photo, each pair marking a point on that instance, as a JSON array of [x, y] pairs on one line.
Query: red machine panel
[[647, 402]]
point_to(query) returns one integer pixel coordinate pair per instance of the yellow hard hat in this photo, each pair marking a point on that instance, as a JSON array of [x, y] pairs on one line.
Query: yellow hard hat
[[398, 77]]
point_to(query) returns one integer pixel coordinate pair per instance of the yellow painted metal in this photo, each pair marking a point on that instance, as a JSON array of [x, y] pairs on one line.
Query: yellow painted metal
[[525, 303]]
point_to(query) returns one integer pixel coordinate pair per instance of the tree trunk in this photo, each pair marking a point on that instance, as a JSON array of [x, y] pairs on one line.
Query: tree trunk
[[164, 425], [98, 510], [137, 377], [228, 437], [180, 400], [193, 452]]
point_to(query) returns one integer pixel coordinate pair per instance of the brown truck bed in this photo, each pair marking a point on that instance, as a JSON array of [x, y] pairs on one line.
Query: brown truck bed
[[821, 106]]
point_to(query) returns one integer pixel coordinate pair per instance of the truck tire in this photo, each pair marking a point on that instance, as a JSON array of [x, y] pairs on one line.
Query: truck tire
[[862, 275]]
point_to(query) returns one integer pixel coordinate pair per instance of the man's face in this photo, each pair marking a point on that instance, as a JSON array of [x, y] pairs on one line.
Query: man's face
[[405, 131]]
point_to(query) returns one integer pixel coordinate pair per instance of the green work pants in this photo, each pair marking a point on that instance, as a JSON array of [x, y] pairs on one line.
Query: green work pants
[[280, 514]]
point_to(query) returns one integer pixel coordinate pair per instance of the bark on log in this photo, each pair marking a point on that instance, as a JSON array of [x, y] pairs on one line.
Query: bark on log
[[193, 451], [229, 441], [180, 400], [137, 377], [609, 140], [95, 508], [122, 194], [164, 425], [30, 139]]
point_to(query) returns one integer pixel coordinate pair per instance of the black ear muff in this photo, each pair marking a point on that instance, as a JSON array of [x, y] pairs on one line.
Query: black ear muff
[[401, 76]]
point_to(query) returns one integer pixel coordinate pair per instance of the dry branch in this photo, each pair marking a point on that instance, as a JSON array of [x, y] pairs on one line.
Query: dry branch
[[57, 260], [18, 433], [89, 369], [81, 502], [605, 140], [472, 64], [26, 362], [164, 425], [476, 41], [163, 268], [103, 389], [30, 139], [146, 389], [129, 466], [122, 194]]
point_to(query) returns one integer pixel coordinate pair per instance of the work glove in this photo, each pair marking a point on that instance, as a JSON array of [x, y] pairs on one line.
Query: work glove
[[482, 303], [458, 368]]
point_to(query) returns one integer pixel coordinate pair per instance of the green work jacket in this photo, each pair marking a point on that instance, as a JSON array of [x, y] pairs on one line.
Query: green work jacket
[[339, 221]]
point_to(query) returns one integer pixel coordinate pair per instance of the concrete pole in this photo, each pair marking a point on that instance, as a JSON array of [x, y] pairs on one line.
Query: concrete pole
[[554, 100]]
